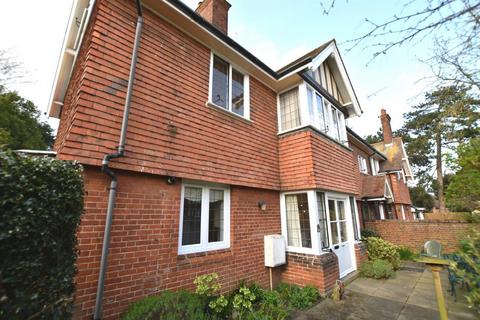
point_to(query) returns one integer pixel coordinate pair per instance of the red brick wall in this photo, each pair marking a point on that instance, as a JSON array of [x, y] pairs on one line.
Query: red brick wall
[[360, 253], [310, 160], [143, 257], [414, 234], [305, 269], [171, 130]]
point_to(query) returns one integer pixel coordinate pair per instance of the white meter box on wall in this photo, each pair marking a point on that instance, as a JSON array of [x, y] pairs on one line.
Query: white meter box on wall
[[274, 250]]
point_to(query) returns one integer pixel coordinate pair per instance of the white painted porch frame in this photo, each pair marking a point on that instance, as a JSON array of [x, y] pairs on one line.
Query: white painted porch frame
[[314, 220]]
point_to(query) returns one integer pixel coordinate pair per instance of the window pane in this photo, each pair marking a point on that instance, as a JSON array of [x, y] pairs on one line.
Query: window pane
[[220, 82], [320, 115], [192, 212], [322, 217], [335, 124], [341, 210], [343, 231], [354, 218], [289, 111], [331, 210], [237, 92], [215, 216], [298, 220], [333, 226], [310, 104]]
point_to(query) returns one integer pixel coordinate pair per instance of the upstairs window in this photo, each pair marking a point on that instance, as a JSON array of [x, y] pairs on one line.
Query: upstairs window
[[362, 164], [229, 88], [375, 166], [289, 110], [303, 106]]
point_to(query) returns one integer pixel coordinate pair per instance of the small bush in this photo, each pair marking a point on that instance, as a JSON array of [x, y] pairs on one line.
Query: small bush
[[380, 249], [469, 268], [168, 306], [41, 201], [406, 253], [377, 269], [296, 297], [368, 233]]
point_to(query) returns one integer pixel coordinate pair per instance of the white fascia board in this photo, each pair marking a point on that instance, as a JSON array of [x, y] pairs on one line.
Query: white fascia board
[[387, 187], [332, 50], [79, 17], [405, 157]]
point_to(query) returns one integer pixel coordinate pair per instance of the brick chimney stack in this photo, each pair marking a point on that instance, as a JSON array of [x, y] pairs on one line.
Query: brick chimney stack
[[215, 12], [386, 127]]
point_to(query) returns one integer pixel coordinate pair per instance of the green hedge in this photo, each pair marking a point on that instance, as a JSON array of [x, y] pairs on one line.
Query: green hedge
[[41, 201]]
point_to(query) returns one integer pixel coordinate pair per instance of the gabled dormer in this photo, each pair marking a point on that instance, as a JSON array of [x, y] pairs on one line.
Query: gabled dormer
[[322, 97]]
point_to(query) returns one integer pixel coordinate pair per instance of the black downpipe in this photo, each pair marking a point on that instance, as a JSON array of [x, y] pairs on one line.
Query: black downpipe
[[105, 168]]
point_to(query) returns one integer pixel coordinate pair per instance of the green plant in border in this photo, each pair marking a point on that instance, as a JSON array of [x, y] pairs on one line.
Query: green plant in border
[[243, 302], [207, 285], [470, 253], [381, 249], [296, 297], [367, 233], [406, 253], [377, 269]]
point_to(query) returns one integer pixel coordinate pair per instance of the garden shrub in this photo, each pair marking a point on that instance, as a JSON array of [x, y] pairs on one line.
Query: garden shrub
[[41, 201], [377, 269], [381, 249], [369, 233], [169, 306], [406, 253], [296, 297], [469, 269]]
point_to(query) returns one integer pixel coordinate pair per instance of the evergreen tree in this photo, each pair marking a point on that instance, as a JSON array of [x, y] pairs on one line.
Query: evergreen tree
[[463, 192], [448, 116]]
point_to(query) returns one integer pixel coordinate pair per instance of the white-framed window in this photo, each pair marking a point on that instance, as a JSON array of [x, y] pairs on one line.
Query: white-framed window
[[204, 218], [362, 164], [289, 110], [303, 106], [311, 224], [375, 166], [229, 87]]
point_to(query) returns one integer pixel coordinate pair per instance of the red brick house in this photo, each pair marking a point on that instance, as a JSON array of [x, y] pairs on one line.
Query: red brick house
[[384, 171], [218, 151]]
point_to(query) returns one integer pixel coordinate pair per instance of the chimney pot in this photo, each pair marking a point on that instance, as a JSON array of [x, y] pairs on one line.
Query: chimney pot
[[215, 12], [386, 127]]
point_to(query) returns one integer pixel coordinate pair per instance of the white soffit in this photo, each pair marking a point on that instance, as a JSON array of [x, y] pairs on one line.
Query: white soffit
[[79, 17]]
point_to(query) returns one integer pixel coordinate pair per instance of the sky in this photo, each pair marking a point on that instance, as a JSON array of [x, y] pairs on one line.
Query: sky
[[276, 31]]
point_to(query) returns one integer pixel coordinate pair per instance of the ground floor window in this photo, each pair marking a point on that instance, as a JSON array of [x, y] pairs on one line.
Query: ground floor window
[[314, 221], [204, 218]]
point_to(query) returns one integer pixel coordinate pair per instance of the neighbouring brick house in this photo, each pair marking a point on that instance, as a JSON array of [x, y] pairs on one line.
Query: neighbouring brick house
[[220, 151], [384, 172]]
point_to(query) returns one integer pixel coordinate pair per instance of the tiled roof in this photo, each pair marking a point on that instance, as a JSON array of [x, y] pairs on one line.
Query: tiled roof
[[373, 186], [306, 57]]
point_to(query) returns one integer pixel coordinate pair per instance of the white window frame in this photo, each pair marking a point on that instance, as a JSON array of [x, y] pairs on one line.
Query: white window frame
[[204, 245], [306, 120], [375, 166], [314, 219], [246, 87], [362, 164]]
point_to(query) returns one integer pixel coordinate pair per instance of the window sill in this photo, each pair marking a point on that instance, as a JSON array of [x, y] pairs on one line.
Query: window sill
[[202, 249], [227, 112]]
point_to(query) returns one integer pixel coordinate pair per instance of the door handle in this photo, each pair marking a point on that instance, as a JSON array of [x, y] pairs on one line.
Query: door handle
[[336, 247]]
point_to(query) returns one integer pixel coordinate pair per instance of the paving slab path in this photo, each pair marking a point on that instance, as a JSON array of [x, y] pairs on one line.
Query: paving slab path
[[408, 295]]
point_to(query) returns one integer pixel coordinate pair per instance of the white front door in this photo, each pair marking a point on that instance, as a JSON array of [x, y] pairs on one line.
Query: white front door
[[342, 242]]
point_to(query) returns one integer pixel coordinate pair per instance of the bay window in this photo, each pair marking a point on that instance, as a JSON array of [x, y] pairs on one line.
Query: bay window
[[229, 88], [204, 218], [303, 106], [315, 221]]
